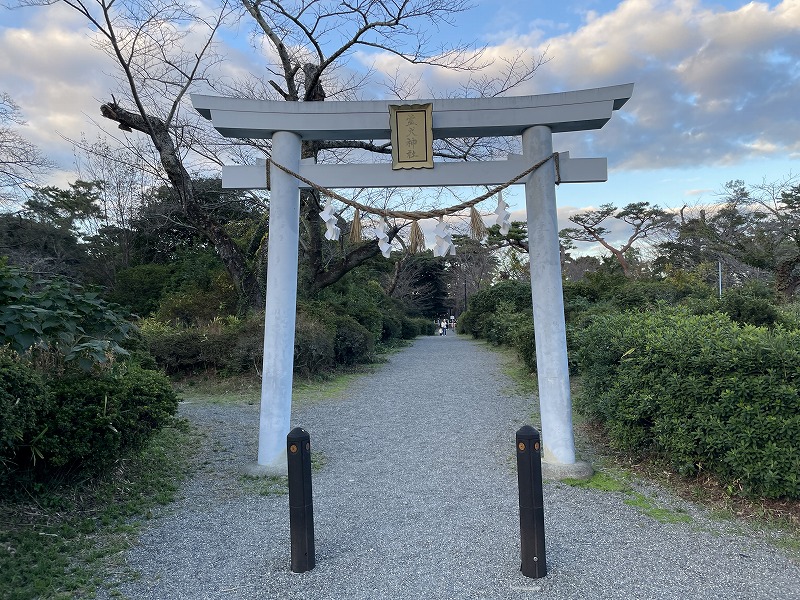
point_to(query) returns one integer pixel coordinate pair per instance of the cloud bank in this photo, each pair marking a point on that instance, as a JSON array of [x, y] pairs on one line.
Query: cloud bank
[[714, 86]]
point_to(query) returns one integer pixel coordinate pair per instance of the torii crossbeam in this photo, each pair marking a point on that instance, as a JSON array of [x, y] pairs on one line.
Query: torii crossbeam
[[535, 118]]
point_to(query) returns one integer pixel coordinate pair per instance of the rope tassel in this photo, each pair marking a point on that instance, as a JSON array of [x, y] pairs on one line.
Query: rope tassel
[[355, 229], [416, 239], [477, 226]]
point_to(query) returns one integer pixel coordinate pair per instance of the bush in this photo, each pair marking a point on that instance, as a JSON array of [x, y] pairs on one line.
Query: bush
[[77, 423], [23, 398], [752, 304], [789, 315], [56, 323], [140, 288], [95, 420], [225, 346], [413, 327], [700, 390], [392, 327], [353, 343], [313, 346], [410, 328], [524, 341]]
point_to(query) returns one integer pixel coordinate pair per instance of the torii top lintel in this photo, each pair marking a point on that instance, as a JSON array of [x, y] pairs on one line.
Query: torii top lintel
[[452, 117]]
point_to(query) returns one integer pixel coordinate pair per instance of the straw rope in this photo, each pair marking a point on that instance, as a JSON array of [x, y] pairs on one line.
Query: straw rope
[[422, 214]]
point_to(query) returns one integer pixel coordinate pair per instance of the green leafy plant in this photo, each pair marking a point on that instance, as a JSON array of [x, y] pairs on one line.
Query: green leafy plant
[[55, 322]]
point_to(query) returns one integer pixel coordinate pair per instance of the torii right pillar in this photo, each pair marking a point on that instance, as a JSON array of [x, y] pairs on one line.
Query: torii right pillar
[[552, 368]]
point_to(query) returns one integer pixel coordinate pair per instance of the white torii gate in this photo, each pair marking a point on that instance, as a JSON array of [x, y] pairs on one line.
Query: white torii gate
[[535, 118]]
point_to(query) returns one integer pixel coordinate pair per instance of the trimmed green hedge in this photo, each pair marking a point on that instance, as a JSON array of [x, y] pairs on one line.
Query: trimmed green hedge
[[700, 390], [75, 423]]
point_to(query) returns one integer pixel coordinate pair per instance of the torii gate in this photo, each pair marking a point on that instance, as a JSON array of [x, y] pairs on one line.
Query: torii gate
[[535, 118]]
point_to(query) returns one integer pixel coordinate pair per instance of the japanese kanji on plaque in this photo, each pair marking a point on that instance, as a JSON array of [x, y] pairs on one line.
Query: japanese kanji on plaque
[[412, 136]]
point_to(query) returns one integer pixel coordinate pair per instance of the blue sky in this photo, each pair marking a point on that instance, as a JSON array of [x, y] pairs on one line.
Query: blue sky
[[716, 98]]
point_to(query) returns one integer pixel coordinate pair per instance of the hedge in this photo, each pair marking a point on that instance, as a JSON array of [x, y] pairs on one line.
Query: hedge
[[700, 390], [76, 423]]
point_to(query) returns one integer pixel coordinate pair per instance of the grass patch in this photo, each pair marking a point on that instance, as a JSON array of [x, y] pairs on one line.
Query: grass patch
[[662, 515], [229, 390], [309, 391], [61, 540], [274, 485], [277, 485], [523, 381], [600, 481], [606, 482], [247, 389]]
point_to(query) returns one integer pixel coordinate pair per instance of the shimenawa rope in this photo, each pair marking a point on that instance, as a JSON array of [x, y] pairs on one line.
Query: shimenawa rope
[[416, 215]]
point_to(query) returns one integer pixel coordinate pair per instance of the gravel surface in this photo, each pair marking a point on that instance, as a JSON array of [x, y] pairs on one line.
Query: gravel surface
[[417, 498]]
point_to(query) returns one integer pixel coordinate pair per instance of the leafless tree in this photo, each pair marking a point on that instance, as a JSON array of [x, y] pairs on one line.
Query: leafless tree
[[125, 176], [164, 48], [21, 163], [311, 39], [773, 208]]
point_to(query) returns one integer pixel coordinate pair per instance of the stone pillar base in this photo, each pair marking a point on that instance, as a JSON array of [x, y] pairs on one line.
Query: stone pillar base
[[558, 471], [273, 470]]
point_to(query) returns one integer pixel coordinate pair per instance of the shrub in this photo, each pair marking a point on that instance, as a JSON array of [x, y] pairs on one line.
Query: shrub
[[410, 328], [95, 420], [789, 315], [353, 343], [752, 304], [524, 341], [76, 423], [392, 327], [516, 293], [54, 322], [225, 346], [413, 327], [313, 346], [140, 288], [702, 391], [23, 398], [194, 304]]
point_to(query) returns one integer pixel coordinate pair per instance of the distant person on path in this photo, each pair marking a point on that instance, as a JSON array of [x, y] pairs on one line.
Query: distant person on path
[[444, 327]]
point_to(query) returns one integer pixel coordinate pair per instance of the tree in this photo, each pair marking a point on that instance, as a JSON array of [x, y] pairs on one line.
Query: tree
[[774, 209], [642, 219], [472, 268], [419, 282], [128, 174], [51, 233], [149, 42], [21, 163], [310, 40]]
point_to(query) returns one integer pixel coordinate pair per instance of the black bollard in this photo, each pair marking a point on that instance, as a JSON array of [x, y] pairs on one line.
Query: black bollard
[[301, 508], [531, 504]]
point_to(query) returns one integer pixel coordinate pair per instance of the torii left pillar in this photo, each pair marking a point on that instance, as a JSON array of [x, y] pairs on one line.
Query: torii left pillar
[[281, 306]]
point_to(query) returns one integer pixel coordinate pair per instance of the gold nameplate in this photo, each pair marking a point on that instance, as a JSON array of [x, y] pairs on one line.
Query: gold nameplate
[[412, 136]]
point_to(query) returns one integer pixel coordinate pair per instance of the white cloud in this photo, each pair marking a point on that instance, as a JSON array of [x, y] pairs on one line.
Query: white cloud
[[713, 86], [58, 78]]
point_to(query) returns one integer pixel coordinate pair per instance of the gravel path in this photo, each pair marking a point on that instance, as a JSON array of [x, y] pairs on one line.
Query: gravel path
[[417, 499]]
